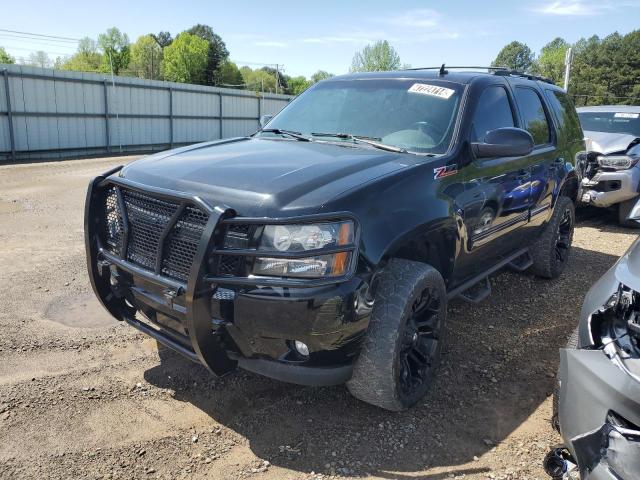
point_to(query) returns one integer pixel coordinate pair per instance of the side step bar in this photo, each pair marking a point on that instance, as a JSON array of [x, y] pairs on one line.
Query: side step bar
[[478, 288]]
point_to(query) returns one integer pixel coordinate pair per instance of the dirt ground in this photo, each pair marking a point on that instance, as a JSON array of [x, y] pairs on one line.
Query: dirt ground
[[82, 396]]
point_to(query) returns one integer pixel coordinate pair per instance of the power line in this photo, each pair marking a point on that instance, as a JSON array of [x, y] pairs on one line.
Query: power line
[[40, 35]]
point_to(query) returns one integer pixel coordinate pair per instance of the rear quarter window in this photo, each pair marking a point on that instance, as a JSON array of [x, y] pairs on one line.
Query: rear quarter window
[[566, 115]]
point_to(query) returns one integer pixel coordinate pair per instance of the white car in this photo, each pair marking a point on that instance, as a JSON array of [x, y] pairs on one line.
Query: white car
[[611, 173]]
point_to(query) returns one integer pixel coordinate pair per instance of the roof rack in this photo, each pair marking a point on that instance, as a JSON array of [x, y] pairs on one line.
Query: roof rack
[[500, 70], [444, 70], [514, 73]]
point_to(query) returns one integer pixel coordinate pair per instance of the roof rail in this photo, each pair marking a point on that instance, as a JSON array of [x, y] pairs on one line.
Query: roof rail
[[500, 70], [444, 69], [514, 73]]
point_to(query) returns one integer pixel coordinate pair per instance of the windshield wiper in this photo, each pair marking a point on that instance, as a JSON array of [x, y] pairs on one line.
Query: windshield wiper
[[373, 141], [289, 133]]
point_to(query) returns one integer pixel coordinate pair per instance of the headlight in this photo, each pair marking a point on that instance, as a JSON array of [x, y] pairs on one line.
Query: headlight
[[297, 239], [617, 162]]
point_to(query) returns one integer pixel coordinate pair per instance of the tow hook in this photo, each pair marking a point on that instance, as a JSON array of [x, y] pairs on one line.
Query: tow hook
[[558, 463], [170, 294]]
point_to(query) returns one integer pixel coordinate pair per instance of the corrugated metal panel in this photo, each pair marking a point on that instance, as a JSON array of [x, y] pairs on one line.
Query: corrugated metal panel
[[5, 141], [240, 107], [3, 96], [59, 111], [271, 107]]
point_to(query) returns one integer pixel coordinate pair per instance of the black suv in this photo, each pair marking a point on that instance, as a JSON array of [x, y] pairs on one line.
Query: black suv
[[323, 249]]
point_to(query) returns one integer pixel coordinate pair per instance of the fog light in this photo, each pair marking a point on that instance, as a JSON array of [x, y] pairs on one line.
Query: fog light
[[301, 348]]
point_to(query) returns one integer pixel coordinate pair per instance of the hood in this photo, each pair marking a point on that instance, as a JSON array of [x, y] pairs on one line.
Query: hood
[[266, 177], [627, 269], [607, 143]]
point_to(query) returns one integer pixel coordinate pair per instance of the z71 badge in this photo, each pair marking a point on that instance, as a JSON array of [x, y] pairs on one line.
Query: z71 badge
[[445, 171]]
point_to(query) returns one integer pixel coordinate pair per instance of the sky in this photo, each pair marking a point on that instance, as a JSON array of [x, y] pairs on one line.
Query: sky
[[304, 36]]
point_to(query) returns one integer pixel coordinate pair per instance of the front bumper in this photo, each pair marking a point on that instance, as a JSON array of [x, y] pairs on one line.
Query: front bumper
[[223, 325], [591, 388], [609, 188]]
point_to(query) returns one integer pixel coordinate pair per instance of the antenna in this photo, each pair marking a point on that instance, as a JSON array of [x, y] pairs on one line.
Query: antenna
[[442, 71]]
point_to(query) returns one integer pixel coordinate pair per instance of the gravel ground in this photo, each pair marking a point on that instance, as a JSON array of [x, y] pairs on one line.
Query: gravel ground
[[82, 396]]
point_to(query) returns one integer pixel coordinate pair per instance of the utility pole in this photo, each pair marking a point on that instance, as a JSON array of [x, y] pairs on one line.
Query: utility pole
[[567, 67]]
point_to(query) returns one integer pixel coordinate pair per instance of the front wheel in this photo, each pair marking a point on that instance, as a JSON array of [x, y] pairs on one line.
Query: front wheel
[[550, 253], [402, 349]]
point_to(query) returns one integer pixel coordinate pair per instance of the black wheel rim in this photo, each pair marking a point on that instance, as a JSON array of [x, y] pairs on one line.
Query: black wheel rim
[[564, 236], [420, 339]]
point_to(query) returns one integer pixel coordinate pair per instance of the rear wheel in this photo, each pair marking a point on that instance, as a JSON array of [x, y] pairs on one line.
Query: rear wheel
[[550, 253], [402, 349]]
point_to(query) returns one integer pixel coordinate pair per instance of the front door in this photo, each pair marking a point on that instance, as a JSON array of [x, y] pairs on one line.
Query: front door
[[494, 194]]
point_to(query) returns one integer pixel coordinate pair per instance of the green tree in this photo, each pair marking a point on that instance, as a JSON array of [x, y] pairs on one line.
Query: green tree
[[185, 60], [258, 80], [115, 50], [297, 85], [606, 71], [282, 79], [146, 58], [86, 59], [550, 63], [380, 56], [230, 75], [516, 56], [163, 39], [5, 57], [216, 53], [320, 75]]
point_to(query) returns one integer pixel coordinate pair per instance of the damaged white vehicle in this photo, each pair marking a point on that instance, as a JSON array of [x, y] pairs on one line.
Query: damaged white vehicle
[[610, 170], [597, 402]]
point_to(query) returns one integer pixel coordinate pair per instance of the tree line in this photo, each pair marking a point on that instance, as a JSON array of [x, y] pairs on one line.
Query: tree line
[[197, 55], [604, 71]]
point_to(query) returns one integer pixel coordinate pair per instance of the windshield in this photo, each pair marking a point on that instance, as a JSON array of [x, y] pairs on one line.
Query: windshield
[[611, 122], [413, 115]]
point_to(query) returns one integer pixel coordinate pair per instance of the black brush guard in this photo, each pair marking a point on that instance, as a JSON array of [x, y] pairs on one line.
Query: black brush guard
[[204, 342]]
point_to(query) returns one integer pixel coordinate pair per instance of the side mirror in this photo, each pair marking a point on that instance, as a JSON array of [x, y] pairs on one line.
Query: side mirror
[[504, 142], [264, 119]]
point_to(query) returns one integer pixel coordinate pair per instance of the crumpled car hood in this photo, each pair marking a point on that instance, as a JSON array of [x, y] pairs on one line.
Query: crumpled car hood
[[607, 143], [627, 269]]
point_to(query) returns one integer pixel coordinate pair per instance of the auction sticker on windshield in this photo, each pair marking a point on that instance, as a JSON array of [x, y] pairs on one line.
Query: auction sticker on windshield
[[432, 90], [626, 115]]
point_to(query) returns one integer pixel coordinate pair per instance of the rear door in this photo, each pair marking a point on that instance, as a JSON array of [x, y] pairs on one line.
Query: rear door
[[545, 158]]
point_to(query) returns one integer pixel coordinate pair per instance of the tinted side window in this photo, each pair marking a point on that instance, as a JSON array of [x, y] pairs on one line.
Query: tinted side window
[[494, 111], [533, 116], [566, 113]]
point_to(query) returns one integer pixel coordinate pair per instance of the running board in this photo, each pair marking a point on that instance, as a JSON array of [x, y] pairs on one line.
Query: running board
[[521, 263], [482, 280], [477, 292]]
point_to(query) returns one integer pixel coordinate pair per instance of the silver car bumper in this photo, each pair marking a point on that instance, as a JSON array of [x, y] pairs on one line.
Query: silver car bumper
[[591, 387], [608, 188]]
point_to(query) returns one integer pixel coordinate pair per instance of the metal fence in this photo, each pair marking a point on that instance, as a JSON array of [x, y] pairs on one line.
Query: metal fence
[[46, 114]]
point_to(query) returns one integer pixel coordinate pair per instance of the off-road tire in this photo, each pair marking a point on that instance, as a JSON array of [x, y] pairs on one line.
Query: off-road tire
[[623, 212], [376, 375], [546, 262], [572, 344]]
